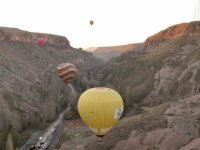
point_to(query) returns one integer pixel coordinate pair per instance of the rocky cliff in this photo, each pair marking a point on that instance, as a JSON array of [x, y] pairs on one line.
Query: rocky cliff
[[160, 86], [31, 94], [106, 53], [13, 34], [161, 70], [175, 31]]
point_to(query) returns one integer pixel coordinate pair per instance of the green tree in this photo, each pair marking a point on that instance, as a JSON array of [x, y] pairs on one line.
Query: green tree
[[16, 137], [9, 142]]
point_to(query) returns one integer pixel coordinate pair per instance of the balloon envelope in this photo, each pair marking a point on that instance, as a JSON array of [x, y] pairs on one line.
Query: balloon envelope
[[67, 72], [41, 42], [100, 108], [91, 22]]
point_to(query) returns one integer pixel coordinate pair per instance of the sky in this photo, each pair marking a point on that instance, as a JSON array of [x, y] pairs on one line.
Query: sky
[[116, 22]]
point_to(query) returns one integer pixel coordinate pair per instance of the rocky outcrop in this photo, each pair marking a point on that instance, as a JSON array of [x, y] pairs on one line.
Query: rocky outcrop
[[106, 53], [182, 130], [142, 132], [184, 29], [13, 34], [168, 80]]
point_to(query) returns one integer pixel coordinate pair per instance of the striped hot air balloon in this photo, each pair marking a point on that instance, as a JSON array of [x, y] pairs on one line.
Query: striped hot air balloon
[[67, 72]]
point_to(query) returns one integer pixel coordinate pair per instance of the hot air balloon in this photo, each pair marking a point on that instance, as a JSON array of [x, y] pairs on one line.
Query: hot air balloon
[[41, 42], [91, 22], [100, 109], [67, 72]]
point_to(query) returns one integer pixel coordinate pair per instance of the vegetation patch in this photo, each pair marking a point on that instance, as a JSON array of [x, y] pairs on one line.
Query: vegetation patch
[[197, 76], [16, 138], [26, 134], [186, 77], [10, 97]]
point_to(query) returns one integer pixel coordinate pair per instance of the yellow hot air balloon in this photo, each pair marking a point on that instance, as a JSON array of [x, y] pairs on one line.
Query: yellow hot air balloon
[[100, 108], [67, 72]]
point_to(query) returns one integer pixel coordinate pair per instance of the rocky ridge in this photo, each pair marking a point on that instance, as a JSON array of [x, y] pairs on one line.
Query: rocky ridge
[[31, 94]]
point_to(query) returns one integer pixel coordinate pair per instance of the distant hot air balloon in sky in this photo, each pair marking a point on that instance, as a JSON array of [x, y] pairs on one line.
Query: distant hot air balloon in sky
[[67, 72], [100, 108], [41, 42], [91, 22]]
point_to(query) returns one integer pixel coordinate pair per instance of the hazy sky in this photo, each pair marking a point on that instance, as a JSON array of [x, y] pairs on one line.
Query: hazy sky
[[116, 22]]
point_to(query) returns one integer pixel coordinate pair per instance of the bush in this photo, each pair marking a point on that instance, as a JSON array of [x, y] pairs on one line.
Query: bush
[[9, 142], [16, 137]]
